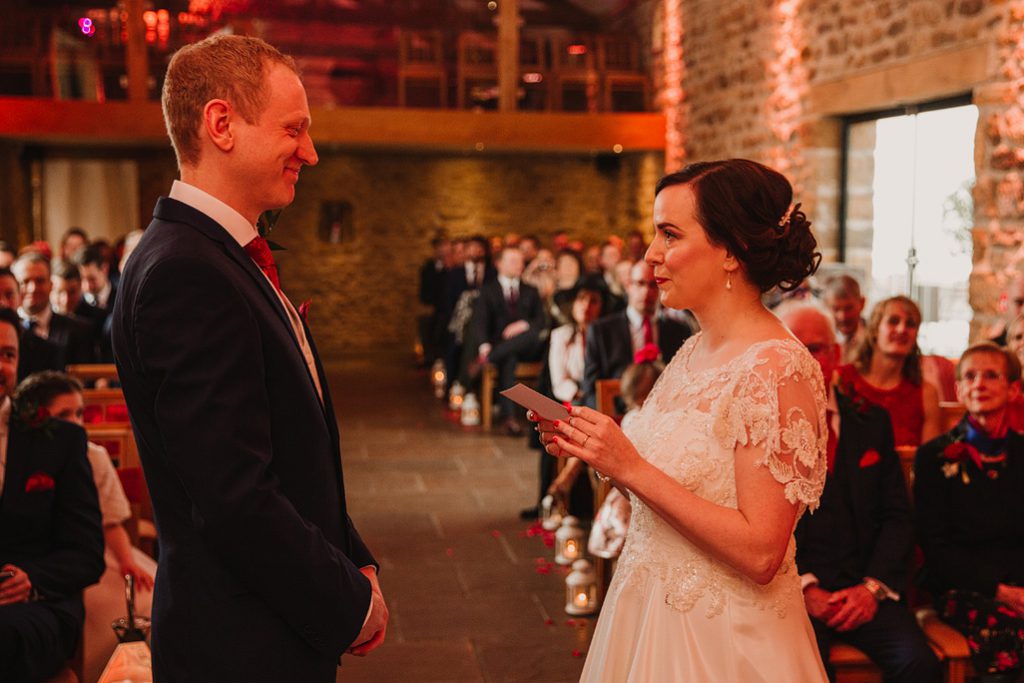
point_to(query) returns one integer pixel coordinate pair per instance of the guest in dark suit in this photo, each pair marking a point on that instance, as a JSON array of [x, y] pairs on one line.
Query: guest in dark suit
[[67, 299], [263, 576], [35, 354], [508, 320], [463, 283], [73, 337], [51, 539], [968, 486], [613, 340], [433, 278], [97, 286], [854, 552]]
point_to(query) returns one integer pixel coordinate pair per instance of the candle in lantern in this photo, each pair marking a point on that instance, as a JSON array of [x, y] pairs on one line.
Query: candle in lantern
[[568, 541], [581, 589]]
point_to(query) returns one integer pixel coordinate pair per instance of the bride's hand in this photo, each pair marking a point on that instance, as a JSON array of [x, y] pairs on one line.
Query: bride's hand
[[595, 438]]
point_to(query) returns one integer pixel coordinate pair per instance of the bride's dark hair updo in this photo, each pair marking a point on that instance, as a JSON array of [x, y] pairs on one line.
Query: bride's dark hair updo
[[746, 207]]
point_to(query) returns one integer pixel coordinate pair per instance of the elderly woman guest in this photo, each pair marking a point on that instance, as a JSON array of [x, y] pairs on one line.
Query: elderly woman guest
[[886, 371], [968, 486]]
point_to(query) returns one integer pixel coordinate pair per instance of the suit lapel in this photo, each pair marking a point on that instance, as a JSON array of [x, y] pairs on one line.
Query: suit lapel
[[174, 211]]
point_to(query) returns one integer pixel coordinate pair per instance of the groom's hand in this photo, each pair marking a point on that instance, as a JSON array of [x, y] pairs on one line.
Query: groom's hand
[[372, 634]]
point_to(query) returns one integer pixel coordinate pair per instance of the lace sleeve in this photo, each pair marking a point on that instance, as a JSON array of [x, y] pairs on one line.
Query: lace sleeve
[[779, 407]]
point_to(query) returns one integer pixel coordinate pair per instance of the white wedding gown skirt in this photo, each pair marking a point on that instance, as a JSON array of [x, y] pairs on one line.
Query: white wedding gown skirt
[[673, 612]]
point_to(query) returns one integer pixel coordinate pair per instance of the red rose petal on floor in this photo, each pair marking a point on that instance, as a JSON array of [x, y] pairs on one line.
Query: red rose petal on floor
[[577, 653], [449, 552], [570, 622], [549, 621], [495, 533]]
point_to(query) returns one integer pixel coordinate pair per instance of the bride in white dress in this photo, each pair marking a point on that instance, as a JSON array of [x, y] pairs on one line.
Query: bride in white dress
[[725, 455]]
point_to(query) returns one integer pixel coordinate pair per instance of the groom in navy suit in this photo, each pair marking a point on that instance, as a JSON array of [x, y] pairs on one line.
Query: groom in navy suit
[[263, 576]]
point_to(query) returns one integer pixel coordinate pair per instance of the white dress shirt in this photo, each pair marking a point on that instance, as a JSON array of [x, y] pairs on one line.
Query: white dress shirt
[[566, 362], [40, 321], [636, 328], [244, 232]]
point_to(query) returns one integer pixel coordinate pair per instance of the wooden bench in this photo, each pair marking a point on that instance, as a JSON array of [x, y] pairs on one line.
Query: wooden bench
[[119, 440], [104, 405], [524, 371], [92, 372], [952, 413]]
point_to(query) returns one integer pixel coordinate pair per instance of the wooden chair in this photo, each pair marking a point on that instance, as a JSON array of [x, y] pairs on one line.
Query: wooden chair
[[489, 377], [119, 440], [476, 68], [93, 372], [606, 391], [576, 81], [625, 87], [952, 412], [105, 405], [422, 79]]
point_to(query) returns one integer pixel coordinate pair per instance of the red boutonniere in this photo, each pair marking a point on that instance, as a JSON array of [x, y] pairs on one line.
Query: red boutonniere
[[40, 481], [862, 404], [870, 457], [304, 310], [30, 416], [648, 354], [957, 455]]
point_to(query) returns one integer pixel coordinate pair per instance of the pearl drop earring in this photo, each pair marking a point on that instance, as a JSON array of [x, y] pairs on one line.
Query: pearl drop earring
[[728, 281]]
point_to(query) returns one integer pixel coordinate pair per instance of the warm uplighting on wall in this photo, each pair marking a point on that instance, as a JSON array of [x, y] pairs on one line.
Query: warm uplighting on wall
[[788, 76], [672, 94]]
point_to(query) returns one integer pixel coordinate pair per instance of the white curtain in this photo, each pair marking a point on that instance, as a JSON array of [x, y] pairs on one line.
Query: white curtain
[[98, 195]]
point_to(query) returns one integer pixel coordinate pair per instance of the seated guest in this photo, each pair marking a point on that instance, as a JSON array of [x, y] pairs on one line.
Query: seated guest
[[540, 274], [61, 397], [886, 371], [509, 318], [35, 353], [854, 552], [968, 487], [846, 303], [461, 288], [530, 246], [636, 246], [433, 275], [51, 541], [613, 340], [73, 337], [7, 254], [611, 255], [74, 240], [67, 298], [94, 266]]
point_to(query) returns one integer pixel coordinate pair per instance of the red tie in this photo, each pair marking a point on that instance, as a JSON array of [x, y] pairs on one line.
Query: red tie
[[833, 442], [259, 251], [648, 332]]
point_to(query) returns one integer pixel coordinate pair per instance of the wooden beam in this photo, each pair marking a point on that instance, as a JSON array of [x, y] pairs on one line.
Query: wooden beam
[[141, 124], [136, 56], [508, 55]]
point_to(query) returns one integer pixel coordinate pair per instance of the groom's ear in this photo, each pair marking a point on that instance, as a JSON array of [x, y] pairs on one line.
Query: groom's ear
[[217, 115]]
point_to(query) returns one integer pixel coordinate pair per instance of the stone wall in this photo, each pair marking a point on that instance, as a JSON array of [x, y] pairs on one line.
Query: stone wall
[[769, 80], [363, 290]]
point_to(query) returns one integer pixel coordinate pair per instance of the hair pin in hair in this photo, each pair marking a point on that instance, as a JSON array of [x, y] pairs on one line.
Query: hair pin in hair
[[784, 221]]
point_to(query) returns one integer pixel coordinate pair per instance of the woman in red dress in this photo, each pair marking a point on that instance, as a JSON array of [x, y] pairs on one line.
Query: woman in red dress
[[886, 371]]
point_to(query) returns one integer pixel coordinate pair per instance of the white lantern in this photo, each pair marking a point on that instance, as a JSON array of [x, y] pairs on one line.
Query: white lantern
[[551, 513], [470, 411], [438, 377], [455, 396], [581, 589], [569, 541]]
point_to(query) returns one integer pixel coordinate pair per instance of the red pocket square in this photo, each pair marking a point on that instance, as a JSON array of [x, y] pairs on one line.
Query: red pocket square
[[870, 457], [40, 481], [304, 309]]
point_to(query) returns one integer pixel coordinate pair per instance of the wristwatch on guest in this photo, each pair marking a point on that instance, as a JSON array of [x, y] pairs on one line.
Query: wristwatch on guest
[[877, 591]]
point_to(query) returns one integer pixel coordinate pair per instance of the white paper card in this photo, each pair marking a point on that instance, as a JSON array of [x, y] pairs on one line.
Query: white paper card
[[538, 403]]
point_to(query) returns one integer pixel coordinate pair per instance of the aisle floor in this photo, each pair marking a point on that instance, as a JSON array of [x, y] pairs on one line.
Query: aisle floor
[[472, 595]]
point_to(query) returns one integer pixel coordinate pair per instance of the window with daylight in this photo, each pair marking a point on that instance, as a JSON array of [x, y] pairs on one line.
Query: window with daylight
[[907, 212]]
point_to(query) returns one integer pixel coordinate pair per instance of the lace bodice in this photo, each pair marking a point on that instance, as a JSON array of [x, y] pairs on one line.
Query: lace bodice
[[770, 398]]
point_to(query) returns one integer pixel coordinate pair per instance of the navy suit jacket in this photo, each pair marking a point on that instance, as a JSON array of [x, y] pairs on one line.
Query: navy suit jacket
[[259, 562], [50, 516], [491, 315], [610, 349], [864, 526]]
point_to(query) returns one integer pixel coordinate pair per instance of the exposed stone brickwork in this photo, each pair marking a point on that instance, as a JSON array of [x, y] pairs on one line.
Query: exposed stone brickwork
[[363, 293], [749, 69]]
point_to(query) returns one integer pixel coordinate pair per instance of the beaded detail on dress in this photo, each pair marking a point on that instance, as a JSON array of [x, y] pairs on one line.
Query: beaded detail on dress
[[770, 399]]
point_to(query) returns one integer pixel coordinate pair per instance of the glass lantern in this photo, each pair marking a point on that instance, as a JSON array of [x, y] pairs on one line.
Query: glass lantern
[[438, 378], [569, 541], [470, 411], [455, 396], [581, 590], [551, 513]]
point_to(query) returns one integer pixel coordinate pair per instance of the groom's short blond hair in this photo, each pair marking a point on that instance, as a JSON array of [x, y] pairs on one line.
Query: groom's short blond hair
[[231, 68]]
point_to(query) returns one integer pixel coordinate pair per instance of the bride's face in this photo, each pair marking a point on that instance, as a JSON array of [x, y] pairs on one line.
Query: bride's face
[[687, 267]]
